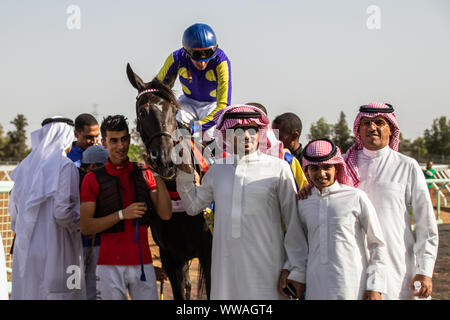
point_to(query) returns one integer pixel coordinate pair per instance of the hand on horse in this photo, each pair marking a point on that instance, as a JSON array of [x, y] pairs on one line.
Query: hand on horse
[[190, 170], [134, 211]]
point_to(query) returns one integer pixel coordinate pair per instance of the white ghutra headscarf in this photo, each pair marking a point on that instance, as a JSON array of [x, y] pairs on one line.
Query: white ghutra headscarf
[[36, 178]]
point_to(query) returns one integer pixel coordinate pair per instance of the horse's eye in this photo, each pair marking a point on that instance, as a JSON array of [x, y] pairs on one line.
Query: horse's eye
[[142, 113]]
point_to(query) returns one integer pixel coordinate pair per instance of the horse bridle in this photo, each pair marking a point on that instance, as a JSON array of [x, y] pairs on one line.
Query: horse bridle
[[148, 141], [158, 133]]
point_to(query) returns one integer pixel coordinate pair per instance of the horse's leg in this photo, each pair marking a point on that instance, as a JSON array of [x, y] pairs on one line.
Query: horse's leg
[[174, 273], [186, 280], [205, 259]]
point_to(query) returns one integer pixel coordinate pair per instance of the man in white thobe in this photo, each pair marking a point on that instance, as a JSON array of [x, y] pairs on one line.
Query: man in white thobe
[[395, 184], [45, 216], [339, 223], [252, 190]]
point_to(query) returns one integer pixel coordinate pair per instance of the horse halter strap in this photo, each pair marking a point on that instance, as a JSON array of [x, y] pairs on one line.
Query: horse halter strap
[[144, 92], [160, 134]]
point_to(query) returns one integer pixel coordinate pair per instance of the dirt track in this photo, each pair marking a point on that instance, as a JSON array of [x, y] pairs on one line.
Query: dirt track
[[441, 276], [193, 274]]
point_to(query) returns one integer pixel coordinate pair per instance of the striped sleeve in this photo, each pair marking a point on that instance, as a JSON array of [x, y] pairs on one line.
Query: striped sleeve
[[167, 69], [223, 71]]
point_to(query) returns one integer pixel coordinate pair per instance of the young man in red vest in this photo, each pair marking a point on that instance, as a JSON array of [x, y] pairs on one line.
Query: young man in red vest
[[117, 200]]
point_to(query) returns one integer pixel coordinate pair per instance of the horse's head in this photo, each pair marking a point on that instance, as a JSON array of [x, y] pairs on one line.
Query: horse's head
[[156, 108]]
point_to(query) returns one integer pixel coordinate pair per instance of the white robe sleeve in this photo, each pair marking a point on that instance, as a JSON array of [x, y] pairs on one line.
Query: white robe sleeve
[[376, 268], [12, 209], [67, 198], [300, 258], [195, 198], [294, 241], [426, 245]]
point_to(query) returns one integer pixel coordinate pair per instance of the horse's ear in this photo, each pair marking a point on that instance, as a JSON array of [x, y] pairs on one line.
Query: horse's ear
[[134, 79]]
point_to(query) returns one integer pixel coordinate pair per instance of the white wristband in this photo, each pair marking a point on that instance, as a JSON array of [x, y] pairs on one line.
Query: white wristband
[[120, 215]]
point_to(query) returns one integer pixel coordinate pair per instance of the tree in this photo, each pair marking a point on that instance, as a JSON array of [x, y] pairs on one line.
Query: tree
[[418, 147], [136, 137], [404, 145], [17, 148], [320, 129], [137, 147], [342, 136], [3, 143], [437, 139], [135, 153]]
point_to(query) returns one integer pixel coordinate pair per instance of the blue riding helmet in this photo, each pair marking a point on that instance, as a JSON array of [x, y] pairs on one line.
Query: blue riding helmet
[[199, 36]]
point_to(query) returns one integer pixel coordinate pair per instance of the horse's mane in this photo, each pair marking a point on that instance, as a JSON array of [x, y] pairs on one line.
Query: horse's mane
[[163, 92]]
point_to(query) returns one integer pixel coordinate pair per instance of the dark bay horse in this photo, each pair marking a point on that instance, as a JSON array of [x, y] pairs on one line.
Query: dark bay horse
[[183, 237]]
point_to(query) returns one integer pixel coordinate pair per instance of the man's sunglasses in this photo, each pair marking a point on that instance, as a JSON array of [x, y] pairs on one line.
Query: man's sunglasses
[[201, 54]]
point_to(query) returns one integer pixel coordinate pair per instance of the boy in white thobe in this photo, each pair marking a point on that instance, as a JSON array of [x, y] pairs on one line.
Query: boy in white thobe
[[45, 215], [338, 221], [395, 184], [251, 191]]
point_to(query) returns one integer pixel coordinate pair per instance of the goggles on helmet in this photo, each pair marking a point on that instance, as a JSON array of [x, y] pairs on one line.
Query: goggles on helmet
[[202, 55]]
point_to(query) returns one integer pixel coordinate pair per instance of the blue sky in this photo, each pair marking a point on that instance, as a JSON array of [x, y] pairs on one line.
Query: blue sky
[[313, 58]]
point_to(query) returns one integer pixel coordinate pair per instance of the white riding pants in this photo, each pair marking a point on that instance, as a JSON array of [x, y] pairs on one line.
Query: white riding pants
[[193, 110]]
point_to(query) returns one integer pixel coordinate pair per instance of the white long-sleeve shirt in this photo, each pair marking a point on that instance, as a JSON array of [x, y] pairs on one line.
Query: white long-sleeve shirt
[[394, 183], [52, 266], [250, 197], [339, 223]]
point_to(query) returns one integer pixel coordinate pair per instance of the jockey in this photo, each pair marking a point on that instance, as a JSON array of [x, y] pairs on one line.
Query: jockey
[[205, 76]]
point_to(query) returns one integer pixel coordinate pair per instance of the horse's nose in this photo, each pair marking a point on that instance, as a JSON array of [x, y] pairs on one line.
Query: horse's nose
[[154, 154]]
